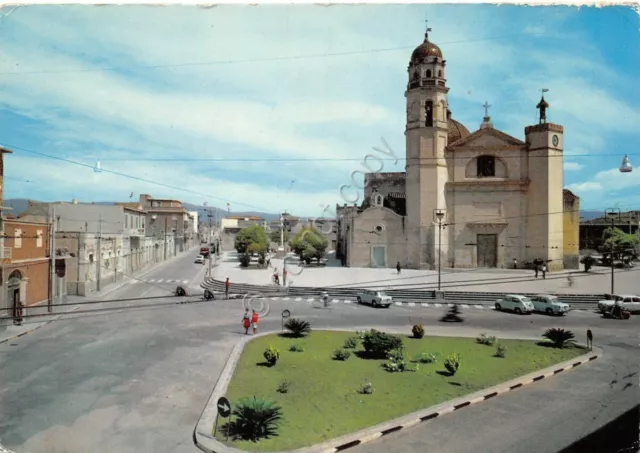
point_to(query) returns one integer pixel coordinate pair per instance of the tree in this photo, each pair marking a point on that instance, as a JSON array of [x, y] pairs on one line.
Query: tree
[[255, 237], [275, 236], [619, 242], [309, 244]]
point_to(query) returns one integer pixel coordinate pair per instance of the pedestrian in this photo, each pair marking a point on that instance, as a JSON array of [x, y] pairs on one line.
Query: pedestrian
[[254, 321], [536, 268], [544, 271], [226, 288], [398, 268], [515, 263], [246, 321]]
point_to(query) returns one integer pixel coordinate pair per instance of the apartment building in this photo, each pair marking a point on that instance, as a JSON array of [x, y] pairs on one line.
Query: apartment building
[[168, 218]]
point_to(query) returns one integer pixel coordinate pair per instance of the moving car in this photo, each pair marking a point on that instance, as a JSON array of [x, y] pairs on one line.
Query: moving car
[[515, 302], [204, 251], [550, 305], [375, 298], [627, 301], [199, 259]]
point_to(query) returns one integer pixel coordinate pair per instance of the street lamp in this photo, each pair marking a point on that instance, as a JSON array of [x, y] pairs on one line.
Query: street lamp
[[439, 213], [612, 213], [626, 166]]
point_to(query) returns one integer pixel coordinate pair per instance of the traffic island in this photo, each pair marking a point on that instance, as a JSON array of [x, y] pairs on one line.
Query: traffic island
[[327, 391]]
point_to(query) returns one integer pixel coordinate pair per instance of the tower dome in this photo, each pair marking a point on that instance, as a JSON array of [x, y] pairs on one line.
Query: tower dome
[[425, 50]]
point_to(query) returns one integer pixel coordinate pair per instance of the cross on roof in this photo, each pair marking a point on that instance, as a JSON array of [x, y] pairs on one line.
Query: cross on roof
[[486, 108], [428, 29]]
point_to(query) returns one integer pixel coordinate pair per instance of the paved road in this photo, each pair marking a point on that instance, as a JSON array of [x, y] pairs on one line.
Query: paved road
[[137, 380]]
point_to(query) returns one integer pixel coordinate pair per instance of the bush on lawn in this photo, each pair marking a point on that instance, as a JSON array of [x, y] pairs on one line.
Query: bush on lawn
[[271, 355], [245, 260], [425, 357], [297, 327], [452, 363], [255, 418], [418, 331], [501, 351], [379, 344], [351, 343], [398, 362], [484, 339], [366, 388], [341, 354], [559, 337], [283, 387], [296, 348]]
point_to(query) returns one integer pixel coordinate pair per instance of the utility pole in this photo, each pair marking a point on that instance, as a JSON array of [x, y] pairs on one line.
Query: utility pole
[[115, 259], [439, 213], [99, 253], [166, 220], [53, 258], [612, 214]]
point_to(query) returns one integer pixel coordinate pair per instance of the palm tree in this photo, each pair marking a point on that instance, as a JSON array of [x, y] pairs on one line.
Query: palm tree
[[559, 337], [255, 418], [297, 327]]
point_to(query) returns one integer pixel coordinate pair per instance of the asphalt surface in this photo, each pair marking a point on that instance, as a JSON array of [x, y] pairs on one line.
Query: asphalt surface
[[137, 380]]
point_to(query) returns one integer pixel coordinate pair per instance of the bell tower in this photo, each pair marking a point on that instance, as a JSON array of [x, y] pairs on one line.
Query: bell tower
[[545, 216], [426, 139]]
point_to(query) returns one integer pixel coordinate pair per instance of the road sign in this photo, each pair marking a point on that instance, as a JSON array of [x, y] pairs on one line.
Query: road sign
[[286, 314], [224, 407]]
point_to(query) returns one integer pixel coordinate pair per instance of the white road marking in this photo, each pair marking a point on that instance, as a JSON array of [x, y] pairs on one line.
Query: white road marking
[[298, 299], [478, 306], [274, 298], [185, 281], [286, 298], [450, 305], [398, 303], [335, 301], [465, 306], [424, 304], [310, 299], [159, 281], [411, 304], [437, 305], [347, 301]]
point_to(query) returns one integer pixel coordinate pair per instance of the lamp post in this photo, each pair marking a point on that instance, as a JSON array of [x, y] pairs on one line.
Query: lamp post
[[439, 213], [612, 213]]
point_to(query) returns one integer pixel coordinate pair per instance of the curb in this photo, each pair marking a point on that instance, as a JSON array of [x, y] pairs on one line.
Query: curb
[[44, 323], [204, 440]]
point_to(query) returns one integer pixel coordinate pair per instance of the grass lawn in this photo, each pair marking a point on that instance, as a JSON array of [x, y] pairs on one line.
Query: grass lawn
[[323, 402]]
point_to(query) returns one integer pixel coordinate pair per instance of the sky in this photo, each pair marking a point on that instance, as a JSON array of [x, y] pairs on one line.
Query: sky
[[273, 107]]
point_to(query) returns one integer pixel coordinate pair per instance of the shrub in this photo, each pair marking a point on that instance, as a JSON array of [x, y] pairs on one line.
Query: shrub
[[425, 357], [501, 351], [366, 388], [296, 348], [271, 355], [452, 363], [484, 339], [418, 331], [341, 354], [283, 387], [351, 343], [255, 418], [559, 337], [297, 327], [361, 334], [380, 343], [398, 362], [245, 260]]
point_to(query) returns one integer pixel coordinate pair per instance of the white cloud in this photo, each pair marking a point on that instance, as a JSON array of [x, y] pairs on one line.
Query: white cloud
[[606, 186], [573, 166]]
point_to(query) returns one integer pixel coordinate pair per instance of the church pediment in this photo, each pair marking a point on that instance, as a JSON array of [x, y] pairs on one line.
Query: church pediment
[[488, 138]]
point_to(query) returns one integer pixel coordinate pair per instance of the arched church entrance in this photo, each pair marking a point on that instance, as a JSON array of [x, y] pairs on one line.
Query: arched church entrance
[[13, 293]]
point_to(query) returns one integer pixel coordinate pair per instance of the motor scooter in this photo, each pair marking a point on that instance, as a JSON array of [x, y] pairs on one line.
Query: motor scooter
[[616, 313]]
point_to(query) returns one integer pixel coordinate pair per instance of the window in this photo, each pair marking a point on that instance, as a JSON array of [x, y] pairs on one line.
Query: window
[[428, 110], [486, 166], [17, 241], [428, 73], [126, 220], [440, 74], [39, 238]]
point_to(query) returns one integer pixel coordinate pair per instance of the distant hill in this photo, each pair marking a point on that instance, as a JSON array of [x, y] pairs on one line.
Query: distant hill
[[19, 205], [590, 215]]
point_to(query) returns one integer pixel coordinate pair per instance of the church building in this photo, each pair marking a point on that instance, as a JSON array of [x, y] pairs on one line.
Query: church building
[[481, 199]]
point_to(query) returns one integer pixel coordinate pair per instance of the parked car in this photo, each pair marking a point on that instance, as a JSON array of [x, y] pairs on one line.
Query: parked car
[[199, 259], [516, 303], [550, 305], [628, 301], [375, 298], [204, 251]]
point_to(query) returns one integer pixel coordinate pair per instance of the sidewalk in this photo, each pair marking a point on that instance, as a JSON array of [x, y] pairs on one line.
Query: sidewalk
[[11, 331]]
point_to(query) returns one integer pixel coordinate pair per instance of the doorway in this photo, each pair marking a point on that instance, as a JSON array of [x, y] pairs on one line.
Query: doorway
[[487, 251], [378, 256], [13, 291]]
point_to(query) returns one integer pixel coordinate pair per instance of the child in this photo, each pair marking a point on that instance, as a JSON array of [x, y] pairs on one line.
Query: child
[[254, 321], [246, 321]]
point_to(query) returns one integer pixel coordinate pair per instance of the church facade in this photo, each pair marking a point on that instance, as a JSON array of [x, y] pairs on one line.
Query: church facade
[[481, 199]]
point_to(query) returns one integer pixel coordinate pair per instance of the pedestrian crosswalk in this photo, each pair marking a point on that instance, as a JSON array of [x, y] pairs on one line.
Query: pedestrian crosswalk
[[161, 280]]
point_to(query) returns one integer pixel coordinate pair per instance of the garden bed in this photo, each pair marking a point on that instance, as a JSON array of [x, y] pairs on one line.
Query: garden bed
[[324, 397]]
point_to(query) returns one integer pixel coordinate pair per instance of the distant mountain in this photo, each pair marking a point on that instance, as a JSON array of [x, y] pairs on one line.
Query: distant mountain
[[19, 205], [590, 215]]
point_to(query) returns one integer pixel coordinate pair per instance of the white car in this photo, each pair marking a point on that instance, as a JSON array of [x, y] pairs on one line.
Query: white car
[[628, 301], [199, 259], [516, 303], [550, 305], [375, 298]]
